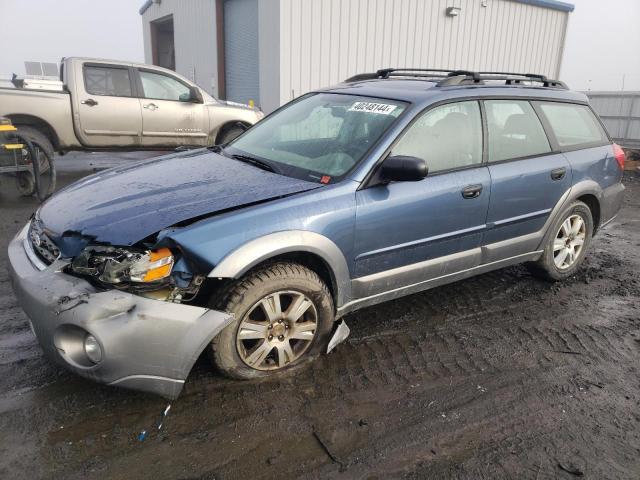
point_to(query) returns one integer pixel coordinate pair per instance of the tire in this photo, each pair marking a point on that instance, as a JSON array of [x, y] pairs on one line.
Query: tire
[[229, 133], [36, 136], [557, 262], [285, 283], [25, 180]]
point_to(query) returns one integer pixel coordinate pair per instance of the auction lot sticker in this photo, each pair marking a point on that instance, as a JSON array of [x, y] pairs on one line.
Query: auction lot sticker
[[371, 107]]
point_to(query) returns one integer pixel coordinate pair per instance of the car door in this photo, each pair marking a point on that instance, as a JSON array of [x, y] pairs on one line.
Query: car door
[[410, 232], [108, 107], [527, 178], [169, 116]]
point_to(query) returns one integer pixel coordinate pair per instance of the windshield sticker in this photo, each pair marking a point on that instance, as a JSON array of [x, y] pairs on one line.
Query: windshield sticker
[[370, 107]]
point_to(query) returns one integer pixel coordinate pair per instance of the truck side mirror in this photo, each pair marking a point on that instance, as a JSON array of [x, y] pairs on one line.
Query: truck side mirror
[[193, 96]]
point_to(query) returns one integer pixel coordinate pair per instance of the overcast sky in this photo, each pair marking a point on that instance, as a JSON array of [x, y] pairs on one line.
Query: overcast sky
[[601, 51], [46, 30]]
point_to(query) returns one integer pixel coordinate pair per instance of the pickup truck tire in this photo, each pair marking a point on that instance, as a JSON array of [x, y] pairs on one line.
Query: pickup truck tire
[[566, 243], [36, 136], [269, 334], [229, 133], [25, 180]]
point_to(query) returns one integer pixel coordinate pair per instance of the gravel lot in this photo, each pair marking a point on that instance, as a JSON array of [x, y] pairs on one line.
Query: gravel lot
[[497, 376]]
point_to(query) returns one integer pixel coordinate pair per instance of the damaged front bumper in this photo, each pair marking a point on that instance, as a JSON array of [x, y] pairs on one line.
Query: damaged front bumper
[[146, 344]]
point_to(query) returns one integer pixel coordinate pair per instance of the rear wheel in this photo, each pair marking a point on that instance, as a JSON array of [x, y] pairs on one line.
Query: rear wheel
[[283, 316], [566, 246]]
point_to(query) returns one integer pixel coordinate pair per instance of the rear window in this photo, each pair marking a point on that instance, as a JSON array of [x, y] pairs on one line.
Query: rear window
[[107, 81], [514, 130], [574, 125]]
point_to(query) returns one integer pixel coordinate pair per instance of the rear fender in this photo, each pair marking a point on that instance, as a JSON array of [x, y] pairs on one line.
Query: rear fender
[[585, 187]]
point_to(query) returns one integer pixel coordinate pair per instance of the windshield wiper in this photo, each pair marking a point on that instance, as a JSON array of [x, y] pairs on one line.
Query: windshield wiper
[[255, 162]]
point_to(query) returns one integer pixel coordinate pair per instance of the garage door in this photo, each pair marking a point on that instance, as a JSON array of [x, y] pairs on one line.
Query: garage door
[[241, 50]]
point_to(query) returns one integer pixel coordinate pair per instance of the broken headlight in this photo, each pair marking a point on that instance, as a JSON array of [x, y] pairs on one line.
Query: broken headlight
[[120, 265]]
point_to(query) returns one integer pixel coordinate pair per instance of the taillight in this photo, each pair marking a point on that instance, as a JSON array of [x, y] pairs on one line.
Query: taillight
[[619, 154]]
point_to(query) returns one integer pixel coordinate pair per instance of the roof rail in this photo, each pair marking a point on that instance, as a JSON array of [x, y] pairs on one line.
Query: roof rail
[[448, 78], [407, 72]]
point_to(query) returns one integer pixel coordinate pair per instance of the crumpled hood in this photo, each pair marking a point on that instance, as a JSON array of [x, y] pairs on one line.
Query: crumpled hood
[[124, 205]]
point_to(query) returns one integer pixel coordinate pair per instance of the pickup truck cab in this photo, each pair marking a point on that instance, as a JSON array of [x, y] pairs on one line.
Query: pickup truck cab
[[105, 104], [383, 186]]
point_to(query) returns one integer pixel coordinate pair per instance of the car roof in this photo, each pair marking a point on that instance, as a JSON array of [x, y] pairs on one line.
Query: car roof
[[425, 92]]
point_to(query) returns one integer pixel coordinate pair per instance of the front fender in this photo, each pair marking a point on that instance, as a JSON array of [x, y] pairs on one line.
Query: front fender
[[252, 253]]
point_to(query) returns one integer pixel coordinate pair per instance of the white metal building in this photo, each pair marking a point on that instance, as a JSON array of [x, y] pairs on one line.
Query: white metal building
[[271, 51]]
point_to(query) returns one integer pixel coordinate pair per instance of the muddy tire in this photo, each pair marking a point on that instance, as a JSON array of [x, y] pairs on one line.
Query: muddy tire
[[566, 244], [283, 318], [229, 133]]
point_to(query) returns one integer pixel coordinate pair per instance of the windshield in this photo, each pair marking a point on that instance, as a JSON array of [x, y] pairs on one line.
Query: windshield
[[320, 137]]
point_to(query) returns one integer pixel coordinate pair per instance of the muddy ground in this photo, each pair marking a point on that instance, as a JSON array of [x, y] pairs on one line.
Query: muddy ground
[[499, 376]]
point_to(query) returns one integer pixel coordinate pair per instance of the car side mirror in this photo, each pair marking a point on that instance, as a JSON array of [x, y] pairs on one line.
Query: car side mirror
[[193, 96], [404, 168]]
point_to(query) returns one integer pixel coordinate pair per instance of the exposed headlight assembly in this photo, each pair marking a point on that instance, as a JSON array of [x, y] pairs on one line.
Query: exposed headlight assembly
[[120, 265]]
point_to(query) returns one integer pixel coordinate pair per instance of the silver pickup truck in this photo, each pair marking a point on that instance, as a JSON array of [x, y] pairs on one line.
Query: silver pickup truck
[[109, 105]]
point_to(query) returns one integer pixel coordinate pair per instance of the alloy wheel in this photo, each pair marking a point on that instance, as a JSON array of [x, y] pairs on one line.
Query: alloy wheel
[[277, 330], [569, 242]]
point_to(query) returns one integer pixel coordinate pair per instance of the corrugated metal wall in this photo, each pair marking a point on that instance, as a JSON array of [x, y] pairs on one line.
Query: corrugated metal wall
[[620, 112], [194, 24], [322, 42]]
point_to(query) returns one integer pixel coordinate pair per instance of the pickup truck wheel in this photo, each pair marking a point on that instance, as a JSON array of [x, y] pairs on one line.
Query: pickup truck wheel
[[230, 133], [283, 317], [570, 236]]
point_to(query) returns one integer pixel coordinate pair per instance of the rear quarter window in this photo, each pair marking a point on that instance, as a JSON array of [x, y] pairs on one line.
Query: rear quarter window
[[573, 125]]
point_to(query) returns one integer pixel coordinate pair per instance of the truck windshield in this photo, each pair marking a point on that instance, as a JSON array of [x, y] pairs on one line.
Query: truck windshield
[[320, 137]]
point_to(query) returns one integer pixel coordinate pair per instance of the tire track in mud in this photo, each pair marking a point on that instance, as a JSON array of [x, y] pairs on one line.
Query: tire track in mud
[[535, 423], [400, 358]]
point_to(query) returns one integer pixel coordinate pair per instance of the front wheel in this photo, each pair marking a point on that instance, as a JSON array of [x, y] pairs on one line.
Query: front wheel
[[230, 133], [283, 316], [567, 245]]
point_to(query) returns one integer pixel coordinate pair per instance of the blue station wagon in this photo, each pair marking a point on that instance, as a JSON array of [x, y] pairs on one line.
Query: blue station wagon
[[385, 185]]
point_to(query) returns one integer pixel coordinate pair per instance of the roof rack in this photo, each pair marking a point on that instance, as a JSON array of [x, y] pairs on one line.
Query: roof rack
[[448, 78]]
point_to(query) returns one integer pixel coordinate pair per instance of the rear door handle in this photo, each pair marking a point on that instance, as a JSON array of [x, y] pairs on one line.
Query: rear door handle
[[89, 102], [471, 191], [558, 173]]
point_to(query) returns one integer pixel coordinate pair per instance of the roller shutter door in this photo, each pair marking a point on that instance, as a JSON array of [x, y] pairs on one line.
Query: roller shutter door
[[241, 50]]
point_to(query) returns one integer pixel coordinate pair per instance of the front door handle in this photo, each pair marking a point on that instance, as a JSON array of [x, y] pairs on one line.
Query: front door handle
[[558, 173], [90, 102], [471, 191], [150, 106]]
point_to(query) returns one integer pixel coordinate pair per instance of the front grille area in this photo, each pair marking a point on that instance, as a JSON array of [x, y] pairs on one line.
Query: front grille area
[[42, 244]]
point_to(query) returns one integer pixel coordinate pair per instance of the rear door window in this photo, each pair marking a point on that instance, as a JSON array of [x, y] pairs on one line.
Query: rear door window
[[573, 125], [446, 137], [514, 130], [107, 81]]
